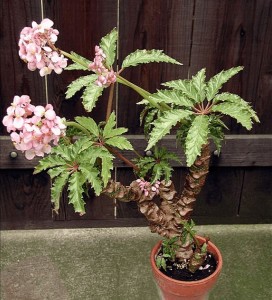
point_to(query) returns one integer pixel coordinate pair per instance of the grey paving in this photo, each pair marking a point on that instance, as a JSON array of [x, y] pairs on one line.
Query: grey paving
[[113, 263]]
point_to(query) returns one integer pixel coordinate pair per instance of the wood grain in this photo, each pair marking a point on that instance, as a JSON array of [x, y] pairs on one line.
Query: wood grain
[[15, 78]]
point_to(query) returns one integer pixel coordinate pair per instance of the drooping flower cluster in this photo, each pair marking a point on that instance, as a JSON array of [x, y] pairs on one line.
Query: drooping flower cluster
[[105, 76], [33, 128], [147, 188], [37, 50]]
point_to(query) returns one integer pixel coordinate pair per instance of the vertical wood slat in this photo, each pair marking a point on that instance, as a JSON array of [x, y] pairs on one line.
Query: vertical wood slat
[[23, 197], [15, 78], [227, 35], [81, 25], [153, 24]]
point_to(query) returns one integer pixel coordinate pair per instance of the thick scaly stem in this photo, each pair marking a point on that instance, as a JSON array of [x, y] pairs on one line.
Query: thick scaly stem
[[194, 182], [163, 218]]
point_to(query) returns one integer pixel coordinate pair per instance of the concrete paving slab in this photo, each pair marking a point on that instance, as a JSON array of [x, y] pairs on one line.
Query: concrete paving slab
[[113, 263]]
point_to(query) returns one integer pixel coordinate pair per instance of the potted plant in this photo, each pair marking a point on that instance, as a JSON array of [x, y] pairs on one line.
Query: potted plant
[[80, 152]]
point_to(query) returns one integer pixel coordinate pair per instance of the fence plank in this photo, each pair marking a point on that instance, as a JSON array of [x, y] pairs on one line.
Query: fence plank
[[81, 24], [15, 78], [237, 151], [24, 197], [238, 34], [151, 24], [256, 194]]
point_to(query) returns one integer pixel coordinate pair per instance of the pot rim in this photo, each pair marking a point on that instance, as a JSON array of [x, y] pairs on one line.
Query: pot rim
[[214, 251]]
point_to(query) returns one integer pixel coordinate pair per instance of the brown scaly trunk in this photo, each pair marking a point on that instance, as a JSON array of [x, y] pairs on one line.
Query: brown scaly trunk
[[195, 180], [167, 218]]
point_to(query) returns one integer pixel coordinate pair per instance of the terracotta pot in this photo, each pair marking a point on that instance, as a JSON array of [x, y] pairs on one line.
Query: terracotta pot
[[173, 289]]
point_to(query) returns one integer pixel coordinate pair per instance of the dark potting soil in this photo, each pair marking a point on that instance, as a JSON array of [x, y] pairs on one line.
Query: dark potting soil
[[175, 270]]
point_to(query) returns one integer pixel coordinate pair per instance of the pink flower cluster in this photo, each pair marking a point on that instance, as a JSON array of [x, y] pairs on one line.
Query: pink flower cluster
[[35, 48], [105, 76], [33, 127], [147, 188]]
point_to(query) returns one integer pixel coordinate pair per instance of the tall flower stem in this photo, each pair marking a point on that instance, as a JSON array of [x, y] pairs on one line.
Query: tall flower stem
[[145, 94]]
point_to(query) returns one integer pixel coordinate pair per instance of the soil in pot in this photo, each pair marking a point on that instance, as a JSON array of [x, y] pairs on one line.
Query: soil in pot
[[179, 271]]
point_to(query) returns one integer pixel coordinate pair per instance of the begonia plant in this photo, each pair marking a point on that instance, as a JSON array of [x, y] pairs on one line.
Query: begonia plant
[[80, 152]]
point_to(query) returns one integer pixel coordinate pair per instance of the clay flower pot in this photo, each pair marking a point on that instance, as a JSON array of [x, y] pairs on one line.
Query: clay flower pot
[[173, 289]]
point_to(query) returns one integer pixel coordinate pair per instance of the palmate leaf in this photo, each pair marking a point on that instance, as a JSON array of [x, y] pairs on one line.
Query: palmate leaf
[[89, 124], [75, 189], [90, 96], [80, 62], [184, 85], [164, 123], [147, 56], [162, 169], [197, 136], [233, 98], [242, 115], [78, 84], [57, 188], [199, 83], [171, 97], [108, 44], [216, 82]]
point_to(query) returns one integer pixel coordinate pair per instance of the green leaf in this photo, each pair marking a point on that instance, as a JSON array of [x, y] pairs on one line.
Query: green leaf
[[75, 66], [91, 174], [171, 97], [242, 115], [116, 132], [89, 124], [233, 98], [57, 188], [164, 123], [80, 62], [199, 83], [75, 188], [111, 123], [62, 151], [216, 131], [47, 162], [54, 172], [184, 85], [107, 166], [119, 142], [108, 44], [216, 82], [197, 136], [162, 169], [78, 84], [147, 56], [90, 96]]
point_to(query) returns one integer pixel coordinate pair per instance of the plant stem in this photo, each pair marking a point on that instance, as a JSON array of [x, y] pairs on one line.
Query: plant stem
[[119, 155], [110, 100], [82, 63], [145, 94]]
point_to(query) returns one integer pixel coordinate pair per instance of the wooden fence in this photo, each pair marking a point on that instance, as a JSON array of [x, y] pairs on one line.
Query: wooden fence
[[216, 34]]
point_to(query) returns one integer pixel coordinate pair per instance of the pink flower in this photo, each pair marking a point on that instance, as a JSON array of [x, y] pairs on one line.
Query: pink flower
[[35, 47], [106, 77], [147, 188], [33, 128]]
